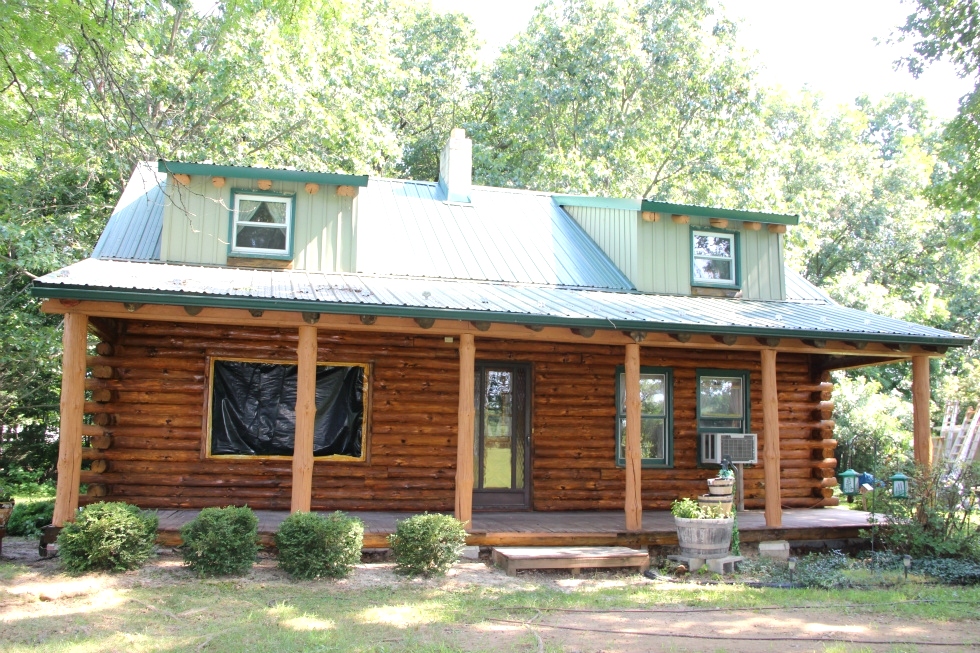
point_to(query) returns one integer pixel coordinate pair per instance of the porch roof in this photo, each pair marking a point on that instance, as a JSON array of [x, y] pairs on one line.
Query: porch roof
[[537, 304]]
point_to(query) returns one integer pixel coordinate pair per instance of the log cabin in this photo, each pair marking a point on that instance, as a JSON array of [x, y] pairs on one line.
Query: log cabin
[[293, 340]]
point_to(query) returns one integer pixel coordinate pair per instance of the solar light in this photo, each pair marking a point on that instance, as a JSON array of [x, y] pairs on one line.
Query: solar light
[[907, 561], [900, 486], [849, 482], [791, 563]]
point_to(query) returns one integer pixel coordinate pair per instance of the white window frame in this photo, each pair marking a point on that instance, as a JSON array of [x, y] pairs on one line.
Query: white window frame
[[733, 258], [261, 197]]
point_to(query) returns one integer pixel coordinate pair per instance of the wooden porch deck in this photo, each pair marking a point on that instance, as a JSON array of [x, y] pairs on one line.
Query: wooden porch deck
[[584, 528]]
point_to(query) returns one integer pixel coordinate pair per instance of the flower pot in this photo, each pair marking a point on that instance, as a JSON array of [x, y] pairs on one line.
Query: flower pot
[[704, 538], [721, 501], [6, 507], [721, 486]]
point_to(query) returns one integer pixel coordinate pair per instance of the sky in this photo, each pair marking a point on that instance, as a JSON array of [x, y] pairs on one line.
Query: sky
[[828, 46]]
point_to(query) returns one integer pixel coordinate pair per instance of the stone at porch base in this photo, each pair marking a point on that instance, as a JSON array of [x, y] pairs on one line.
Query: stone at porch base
[[49, 535], [724, 565], [470, 554], [775, 549]]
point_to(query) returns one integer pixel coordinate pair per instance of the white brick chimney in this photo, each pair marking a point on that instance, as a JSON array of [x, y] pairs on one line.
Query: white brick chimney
[[456, 167]]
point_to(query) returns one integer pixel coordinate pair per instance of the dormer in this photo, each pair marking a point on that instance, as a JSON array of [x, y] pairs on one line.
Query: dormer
[[259, 217], [688, 250]]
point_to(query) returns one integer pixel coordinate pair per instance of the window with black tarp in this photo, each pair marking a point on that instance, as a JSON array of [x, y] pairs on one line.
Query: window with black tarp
[[253, 409]]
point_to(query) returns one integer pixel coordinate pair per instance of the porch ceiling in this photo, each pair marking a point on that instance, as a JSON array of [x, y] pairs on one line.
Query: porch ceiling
[[530, 304]]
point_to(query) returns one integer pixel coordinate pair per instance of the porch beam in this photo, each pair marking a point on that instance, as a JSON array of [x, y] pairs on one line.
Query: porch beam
[[73, 341], [921, 423], [634, 497], [770, 453], [464, 441], [440, 327], [306, 354]]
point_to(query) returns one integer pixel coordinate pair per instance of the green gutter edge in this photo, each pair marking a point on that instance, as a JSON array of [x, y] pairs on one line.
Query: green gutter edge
[[731, 214], [622, 204], [313, 306], [277, 174]]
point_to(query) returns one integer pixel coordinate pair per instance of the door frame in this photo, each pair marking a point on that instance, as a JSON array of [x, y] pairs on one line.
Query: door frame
[[500, 499]]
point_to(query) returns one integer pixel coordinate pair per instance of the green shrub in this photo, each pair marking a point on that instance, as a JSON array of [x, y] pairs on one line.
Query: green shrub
[[29, 517], [313, 546], [221, 541], [949, 571], [107, 537], [427, 544], [941, 516]]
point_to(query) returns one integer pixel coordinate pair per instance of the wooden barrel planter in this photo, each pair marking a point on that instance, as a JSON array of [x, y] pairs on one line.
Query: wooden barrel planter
[[6, 508], [704, 538], [721, 486], [721, 501]]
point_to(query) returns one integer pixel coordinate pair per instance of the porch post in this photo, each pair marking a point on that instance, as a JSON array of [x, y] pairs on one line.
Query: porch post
[[464, 433], [306, 354], [72, 404], [634, 499], [921, 424], [770, 425]]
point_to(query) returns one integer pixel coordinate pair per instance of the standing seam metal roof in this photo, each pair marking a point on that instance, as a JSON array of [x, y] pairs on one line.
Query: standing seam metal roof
[[470, 300]]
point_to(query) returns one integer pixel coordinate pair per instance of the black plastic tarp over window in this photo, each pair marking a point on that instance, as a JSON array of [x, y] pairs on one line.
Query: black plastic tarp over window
[[253, 409]]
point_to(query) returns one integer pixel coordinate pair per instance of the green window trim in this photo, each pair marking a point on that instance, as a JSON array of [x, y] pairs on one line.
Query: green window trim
[[736, 258], [237, 251], [744, 375], [667, 419]]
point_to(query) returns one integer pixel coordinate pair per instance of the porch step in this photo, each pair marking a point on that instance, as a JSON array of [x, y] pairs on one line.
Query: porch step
[[575, 558]]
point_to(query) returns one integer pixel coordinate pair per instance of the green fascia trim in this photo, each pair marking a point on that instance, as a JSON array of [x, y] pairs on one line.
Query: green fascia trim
[[59, 291], [731, 214], [276, 174], [623, 204]]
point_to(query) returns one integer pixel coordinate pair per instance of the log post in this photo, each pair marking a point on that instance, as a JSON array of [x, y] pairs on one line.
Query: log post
[[770, 425], [464, 442], [305, 418], [73, 341], [634, 499], [921, 423]]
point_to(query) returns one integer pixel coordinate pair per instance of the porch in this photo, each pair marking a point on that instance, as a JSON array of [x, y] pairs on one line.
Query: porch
[[572, 528]]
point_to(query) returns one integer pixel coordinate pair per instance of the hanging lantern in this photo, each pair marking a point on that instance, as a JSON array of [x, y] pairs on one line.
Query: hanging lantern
[[900, 486], [849, 482]]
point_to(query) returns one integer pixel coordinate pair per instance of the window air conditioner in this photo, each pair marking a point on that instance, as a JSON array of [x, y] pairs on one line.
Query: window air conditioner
[[739, 447]]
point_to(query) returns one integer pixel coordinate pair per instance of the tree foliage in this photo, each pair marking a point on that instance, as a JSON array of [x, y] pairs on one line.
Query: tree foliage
[[611, 97], [617, 97], [950, 30]]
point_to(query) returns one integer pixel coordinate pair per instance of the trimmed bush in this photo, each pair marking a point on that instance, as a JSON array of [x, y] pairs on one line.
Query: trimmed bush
[[427, 544], [107, 537], [221, 541], [313, 546], [29, 517]]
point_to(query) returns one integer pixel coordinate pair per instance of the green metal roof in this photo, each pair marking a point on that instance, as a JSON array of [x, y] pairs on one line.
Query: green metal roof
[[339, 293], [276, 174], [707, 212]]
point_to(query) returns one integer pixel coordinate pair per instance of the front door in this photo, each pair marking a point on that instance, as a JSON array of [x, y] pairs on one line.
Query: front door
[[502, 437]]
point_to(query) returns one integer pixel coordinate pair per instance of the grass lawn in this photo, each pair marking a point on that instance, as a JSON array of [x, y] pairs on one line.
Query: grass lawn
[[164, 608]]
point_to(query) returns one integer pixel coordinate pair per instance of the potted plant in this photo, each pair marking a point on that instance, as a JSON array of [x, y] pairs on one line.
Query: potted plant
[[702, 531], [6, 505], [720, 489], [724, 483]]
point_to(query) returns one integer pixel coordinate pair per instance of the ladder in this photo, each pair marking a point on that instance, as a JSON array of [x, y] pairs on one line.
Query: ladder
[[961, 440]]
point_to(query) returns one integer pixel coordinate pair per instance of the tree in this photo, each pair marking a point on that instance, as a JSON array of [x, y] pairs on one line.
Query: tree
[[618, 97], [950, 29]]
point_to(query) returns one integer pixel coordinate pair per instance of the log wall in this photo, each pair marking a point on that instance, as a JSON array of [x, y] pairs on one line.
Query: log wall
[[147, 392]]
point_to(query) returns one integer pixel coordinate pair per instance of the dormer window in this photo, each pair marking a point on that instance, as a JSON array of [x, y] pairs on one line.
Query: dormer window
[[262, 225], [714, 258]]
